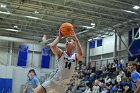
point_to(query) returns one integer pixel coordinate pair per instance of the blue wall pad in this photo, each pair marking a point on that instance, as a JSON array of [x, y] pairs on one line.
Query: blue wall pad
[[5, 85]]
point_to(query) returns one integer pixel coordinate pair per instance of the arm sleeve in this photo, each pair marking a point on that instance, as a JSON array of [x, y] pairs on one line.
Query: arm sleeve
[[135, 77], [37, 81]]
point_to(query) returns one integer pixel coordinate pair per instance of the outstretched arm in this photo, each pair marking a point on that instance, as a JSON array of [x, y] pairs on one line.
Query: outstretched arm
[[54, 47], [79, 50], [138, 86]]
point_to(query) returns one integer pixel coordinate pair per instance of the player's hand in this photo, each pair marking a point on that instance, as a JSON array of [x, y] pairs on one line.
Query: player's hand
[[60, 35], [75, 39], [73, 33]]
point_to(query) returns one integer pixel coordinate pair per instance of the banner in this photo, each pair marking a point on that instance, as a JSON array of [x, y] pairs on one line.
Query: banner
[[99, 42], [45, 62], [92, 44], [22, 55]]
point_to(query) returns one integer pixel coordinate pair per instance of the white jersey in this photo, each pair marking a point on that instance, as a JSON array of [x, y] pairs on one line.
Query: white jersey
[[65, 67], [64, 72]]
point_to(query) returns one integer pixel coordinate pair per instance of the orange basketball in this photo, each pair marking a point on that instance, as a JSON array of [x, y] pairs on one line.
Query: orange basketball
[[66, 29]]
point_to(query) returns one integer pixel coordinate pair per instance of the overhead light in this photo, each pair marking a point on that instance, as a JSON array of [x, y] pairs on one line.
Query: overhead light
[[32, 17], [15, 26], [129, 11], [90, 39], [36, 12], [88, 27], [92, 24], [136, 7], [5, 12], [110, 33], [14, 30], [3, 6]]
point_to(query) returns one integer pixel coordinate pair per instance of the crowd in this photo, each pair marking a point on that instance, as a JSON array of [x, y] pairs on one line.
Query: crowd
[[108, 78]]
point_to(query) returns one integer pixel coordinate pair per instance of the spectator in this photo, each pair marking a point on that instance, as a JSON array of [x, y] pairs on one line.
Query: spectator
[[119, 66], [32, 81], [96, 88], [107, 79], [88, 88], [135, 76]]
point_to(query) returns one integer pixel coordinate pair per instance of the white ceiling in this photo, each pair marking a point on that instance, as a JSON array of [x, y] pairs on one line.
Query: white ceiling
[[50, 14]]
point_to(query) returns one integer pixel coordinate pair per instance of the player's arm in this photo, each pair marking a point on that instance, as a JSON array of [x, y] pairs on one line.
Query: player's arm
[[79, 50], [138, 86], [54, 47]]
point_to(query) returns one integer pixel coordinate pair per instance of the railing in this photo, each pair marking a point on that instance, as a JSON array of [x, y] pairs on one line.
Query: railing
[[106, 61]]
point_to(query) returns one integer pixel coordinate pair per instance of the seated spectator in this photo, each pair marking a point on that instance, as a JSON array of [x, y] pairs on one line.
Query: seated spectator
[[88, 88], [115, 87], [92, 78], [107, 79], [125, 84], [103, 68], [101, 80], [119, 78], [119, 66], [96, 88], [122, 74], [127, 89]]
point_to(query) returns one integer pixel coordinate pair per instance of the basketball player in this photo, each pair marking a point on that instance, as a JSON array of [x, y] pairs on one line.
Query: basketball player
[[66, 65], [135, 76]]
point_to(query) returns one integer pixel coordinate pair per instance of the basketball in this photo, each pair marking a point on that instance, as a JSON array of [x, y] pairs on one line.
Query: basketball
[[66, 29]]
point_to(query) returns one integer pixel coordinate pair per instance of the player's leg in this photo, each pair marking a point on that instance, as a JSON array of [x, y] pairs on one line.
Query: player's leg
[[45, 87], [40, 89]]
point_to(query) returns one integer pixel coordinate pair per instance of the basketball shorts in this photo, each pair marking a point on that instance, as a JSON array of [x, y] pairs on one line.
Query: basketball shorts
[[53, 86]]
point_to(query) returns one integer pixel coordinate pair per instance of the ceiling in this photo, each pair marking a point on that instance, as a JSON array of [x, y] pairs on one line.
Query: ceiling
[[31, 19]]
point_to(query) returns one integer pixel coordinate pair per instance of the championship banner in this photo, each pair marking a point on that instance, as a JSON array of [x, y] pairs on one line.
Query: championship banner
[[22, 55]]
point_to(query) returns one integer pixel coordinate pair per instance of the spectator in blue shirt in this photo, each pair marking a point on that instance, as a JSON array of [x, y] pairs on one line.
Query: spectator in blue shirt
[[32, 81], [135, 76]]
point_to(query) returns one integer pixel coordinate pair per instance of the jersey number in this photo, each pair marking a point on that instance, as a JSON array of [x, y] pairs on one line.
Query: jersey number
[[67, 65]]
